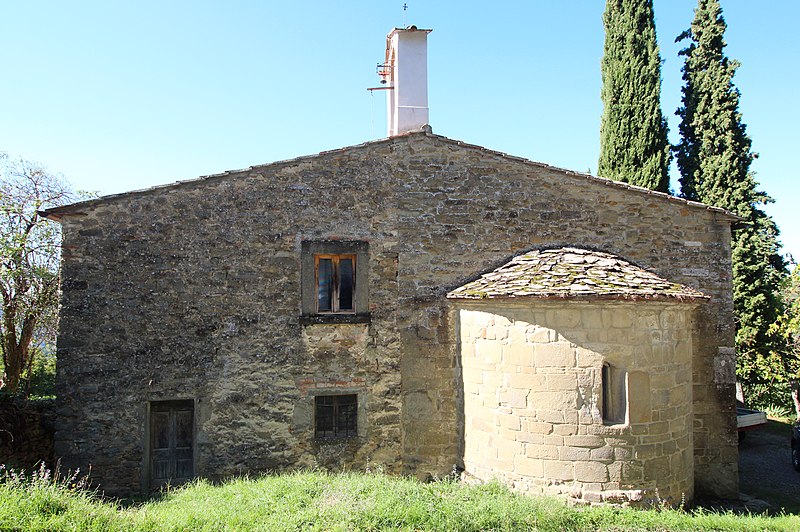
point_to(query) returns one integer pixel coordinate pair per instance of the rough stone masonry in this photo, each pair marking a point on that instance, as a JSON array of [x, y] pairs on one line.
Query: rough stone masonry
[[192, 294]]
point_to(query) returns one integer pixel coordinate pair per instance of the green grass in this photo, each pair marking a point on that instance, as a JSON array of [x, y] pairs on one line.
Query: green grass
[[346, 501]]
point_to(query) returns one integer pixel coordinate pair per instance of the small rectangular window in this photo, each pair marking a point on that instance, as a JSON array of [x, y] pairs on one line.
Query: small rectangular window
[[615, 395], [336, 416], [335, 283]]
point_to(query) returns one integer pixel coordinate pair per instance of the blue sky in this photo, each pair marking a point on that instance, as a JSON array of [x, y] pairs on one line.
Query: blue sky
[[119, 96]]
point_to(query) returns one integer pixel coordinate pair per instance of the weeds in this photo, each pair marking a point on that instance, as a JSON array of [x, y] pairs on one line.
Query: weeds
[[316, 500]]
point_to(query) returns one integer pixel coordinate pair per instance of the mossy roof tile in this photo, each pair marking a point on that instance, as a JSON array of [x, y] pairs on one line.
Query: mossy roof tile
[[573, 273]]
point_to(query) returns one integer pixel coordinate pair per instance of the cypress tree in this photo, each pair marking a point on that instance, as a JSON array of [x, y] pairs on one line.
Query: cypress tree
[[714, 157], [633, 131]]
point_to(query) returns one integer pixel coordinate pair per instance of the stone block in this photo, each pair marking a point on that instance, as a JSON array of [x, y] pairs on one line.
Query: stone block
[[533, 450], [565, 430], [516, 333], [632, 472], [548, 416], [517, 354], [639, 409], [587, 358], [591, 472], [585, 440], [559, 470], [564, 317], [509, 421], [574, 453], [530, 437], [622, 453], [488, 353], [537, 427], [657, 428], [508, 449], [553, 401], [528, 467], [482, 425], [540, 335], [514, 398], [562, 382], [472, 375], [554, 440], [657, 468], [501, 321], [603, 454], [646, 320], [592, 318], [527, 381], [557, 354], [671, 319]]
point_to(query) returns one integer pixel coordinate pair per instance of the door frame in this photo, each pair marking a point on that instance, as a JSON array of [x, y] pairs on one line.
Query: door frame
[[147, 444]]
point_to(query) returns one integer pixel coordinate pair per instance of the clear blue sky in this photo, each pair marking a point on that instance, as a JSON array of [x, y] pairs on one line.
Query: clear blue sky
[[119, 96]]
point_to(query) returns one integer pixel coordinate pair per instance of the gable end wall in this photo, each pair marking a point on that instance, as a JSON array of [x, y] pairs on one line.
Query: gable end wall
[[195, 292]]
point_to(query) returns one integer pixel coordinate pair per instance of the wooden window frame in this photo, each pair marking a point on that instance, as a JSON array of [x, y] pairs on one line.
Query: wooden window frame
[[335, 258], [309, 283]]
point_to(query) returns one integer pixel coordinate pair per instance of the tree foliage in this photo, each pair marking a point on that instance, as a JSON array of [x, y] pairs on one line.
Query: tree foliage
[[788, 324], [787, 329], [714, 157], [633, 131], [29, 259]]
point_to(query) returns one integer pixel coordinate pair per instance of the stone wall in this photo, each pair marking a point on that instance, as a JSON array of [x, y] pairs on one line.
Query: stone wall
[[26, 433], [193, 291], [532, 398]]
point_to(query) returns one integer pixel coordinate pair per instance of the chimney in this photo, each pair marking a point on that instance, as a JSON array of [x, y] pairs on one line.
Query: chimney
[[406, 72]]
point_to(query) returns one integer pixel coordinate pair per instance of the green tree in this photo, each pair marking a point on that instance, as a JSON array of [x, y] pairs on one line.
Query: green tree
[[787, 327], [633, 131], [714, 157], [29, 258]]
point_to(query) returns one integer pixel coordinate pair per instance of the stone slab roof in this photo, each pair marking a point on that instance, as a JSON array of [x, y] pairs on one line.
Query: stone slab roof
[[576, 274], [76, 208]]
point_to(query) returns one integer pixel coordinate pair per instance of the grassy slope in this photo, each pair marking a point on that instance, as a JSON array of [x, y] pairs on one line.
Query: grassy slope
[[320, 501]]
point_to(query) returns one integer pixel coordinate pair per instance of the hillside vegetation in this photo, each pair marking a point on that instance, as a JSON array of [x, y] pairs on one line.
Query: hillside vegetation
[[345, 501]]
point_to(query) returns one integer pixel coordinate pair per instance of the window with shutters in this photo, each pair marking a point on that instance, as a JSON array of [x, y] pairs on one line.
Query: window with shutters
[[335, 416]]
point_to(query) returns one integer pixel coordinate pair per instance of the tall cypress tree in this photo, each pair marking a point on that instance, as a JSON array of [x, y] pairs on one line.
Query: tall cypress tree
[[633, 131], [714, 157]]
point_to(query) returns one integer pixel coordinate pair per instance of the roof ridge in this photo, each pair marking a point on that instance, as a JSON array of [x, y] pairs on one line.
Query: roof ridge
[[425, 131]]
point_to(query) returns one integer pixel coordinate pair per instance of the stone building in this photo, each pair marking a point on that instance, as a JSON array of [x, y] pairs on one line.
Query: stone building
[[416, 303]]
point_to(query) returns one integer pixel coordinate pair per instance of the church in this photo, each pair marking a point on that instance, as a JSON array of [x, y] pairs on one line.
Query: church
[[414, 303]]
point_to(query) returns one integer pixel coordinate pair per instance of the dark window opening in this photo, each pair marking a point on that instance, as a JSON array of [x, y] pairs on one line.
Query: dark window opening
[[614, 394], [336, 416], [335, 283]]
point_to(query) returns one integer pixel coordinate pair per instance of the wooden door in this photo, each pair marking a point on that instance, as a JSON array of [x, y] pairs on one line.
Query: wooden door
[[171, 443]]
